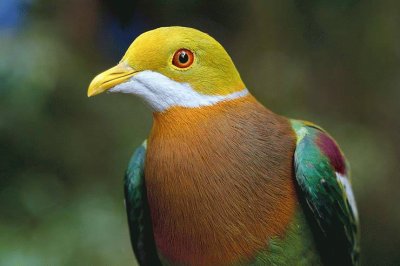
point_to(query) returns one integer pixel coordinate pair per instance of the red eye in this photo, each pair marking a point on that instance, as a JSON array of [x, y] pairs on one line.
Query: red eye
[[183, 58]]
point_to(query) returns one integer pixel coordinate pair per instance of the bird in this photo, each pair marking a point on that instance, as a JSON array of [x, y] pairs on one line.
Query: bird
[[221, 179]]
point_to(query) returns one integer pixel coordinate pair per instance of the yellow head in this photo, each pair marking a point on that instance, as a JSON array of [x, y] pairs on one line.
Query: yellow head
[[173, 66]]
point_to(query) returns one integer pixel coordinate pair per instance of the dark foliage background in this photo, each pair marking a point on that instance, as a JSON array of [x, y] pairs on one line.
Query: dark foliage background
[[62, 155]]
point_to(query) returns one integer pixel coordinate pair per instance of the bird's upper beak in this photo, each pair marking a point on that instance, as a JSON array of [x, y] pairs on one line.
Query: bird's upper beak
[[110, 78]]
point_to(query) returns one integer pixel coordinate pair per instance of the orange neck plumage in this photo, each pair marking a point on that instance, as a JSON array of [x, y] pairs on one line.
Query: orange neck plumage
[[219, 181]]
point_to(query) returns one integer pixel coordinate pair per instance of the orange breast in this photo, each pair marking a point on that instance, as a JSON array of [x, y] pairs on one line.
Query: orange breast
[[219, 181]]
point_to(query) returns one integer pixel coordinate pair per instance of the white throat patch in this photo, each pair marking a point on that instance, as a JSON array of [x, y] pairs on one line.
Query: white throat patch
[[161, 92]]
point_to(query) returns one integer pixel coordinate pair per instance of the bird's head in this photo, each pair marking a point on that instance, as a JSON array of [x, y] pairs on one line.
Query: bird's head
[[173, 66]]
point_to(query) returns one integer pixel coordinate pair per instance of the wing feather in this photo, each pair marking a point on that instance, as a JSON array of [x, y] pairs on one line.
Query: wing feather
[[137, 209], [323, 180]]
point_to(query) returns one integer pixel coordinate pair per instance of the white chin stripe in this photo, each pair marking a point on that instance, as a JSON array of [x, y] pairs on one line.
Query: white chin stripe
[[161, 92]]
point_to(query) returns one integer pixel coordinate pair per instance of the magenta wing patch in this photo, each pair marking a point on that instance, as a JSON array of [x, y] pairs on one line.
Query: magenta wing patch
[[331, 150]]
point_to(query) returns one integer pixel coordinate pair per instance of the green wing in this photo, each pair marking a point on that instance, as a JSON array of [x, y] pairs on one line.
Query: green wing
[[137, 209], [324, 187]]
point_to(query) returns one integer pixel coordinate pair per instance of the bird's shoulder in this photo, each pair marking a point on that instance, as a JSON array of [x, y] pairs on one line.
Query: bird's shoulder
[[323, 178]]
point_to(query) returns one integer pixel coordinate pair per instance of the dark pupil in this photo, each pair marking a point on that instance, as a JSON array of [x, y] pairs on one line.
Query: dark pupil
[[183, 57]]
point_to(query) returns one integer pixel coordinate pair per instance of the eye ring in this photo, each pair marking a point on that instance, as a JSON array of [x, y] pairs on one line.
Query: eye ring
[[183, 58]]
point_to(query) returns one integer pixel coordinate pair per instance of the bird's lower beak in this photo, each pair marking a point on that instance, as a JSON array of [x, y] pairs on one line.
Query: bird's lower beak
[[110, 78]]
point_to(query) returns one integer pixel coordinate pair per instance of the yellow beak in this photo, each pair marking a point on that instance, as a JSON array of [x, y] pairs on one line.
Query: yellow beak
[[110, 78]]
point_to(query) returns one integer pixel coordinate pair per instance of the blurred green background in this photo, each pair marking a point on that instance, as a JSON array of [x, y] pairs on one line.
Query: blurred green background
[[62, 155]]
